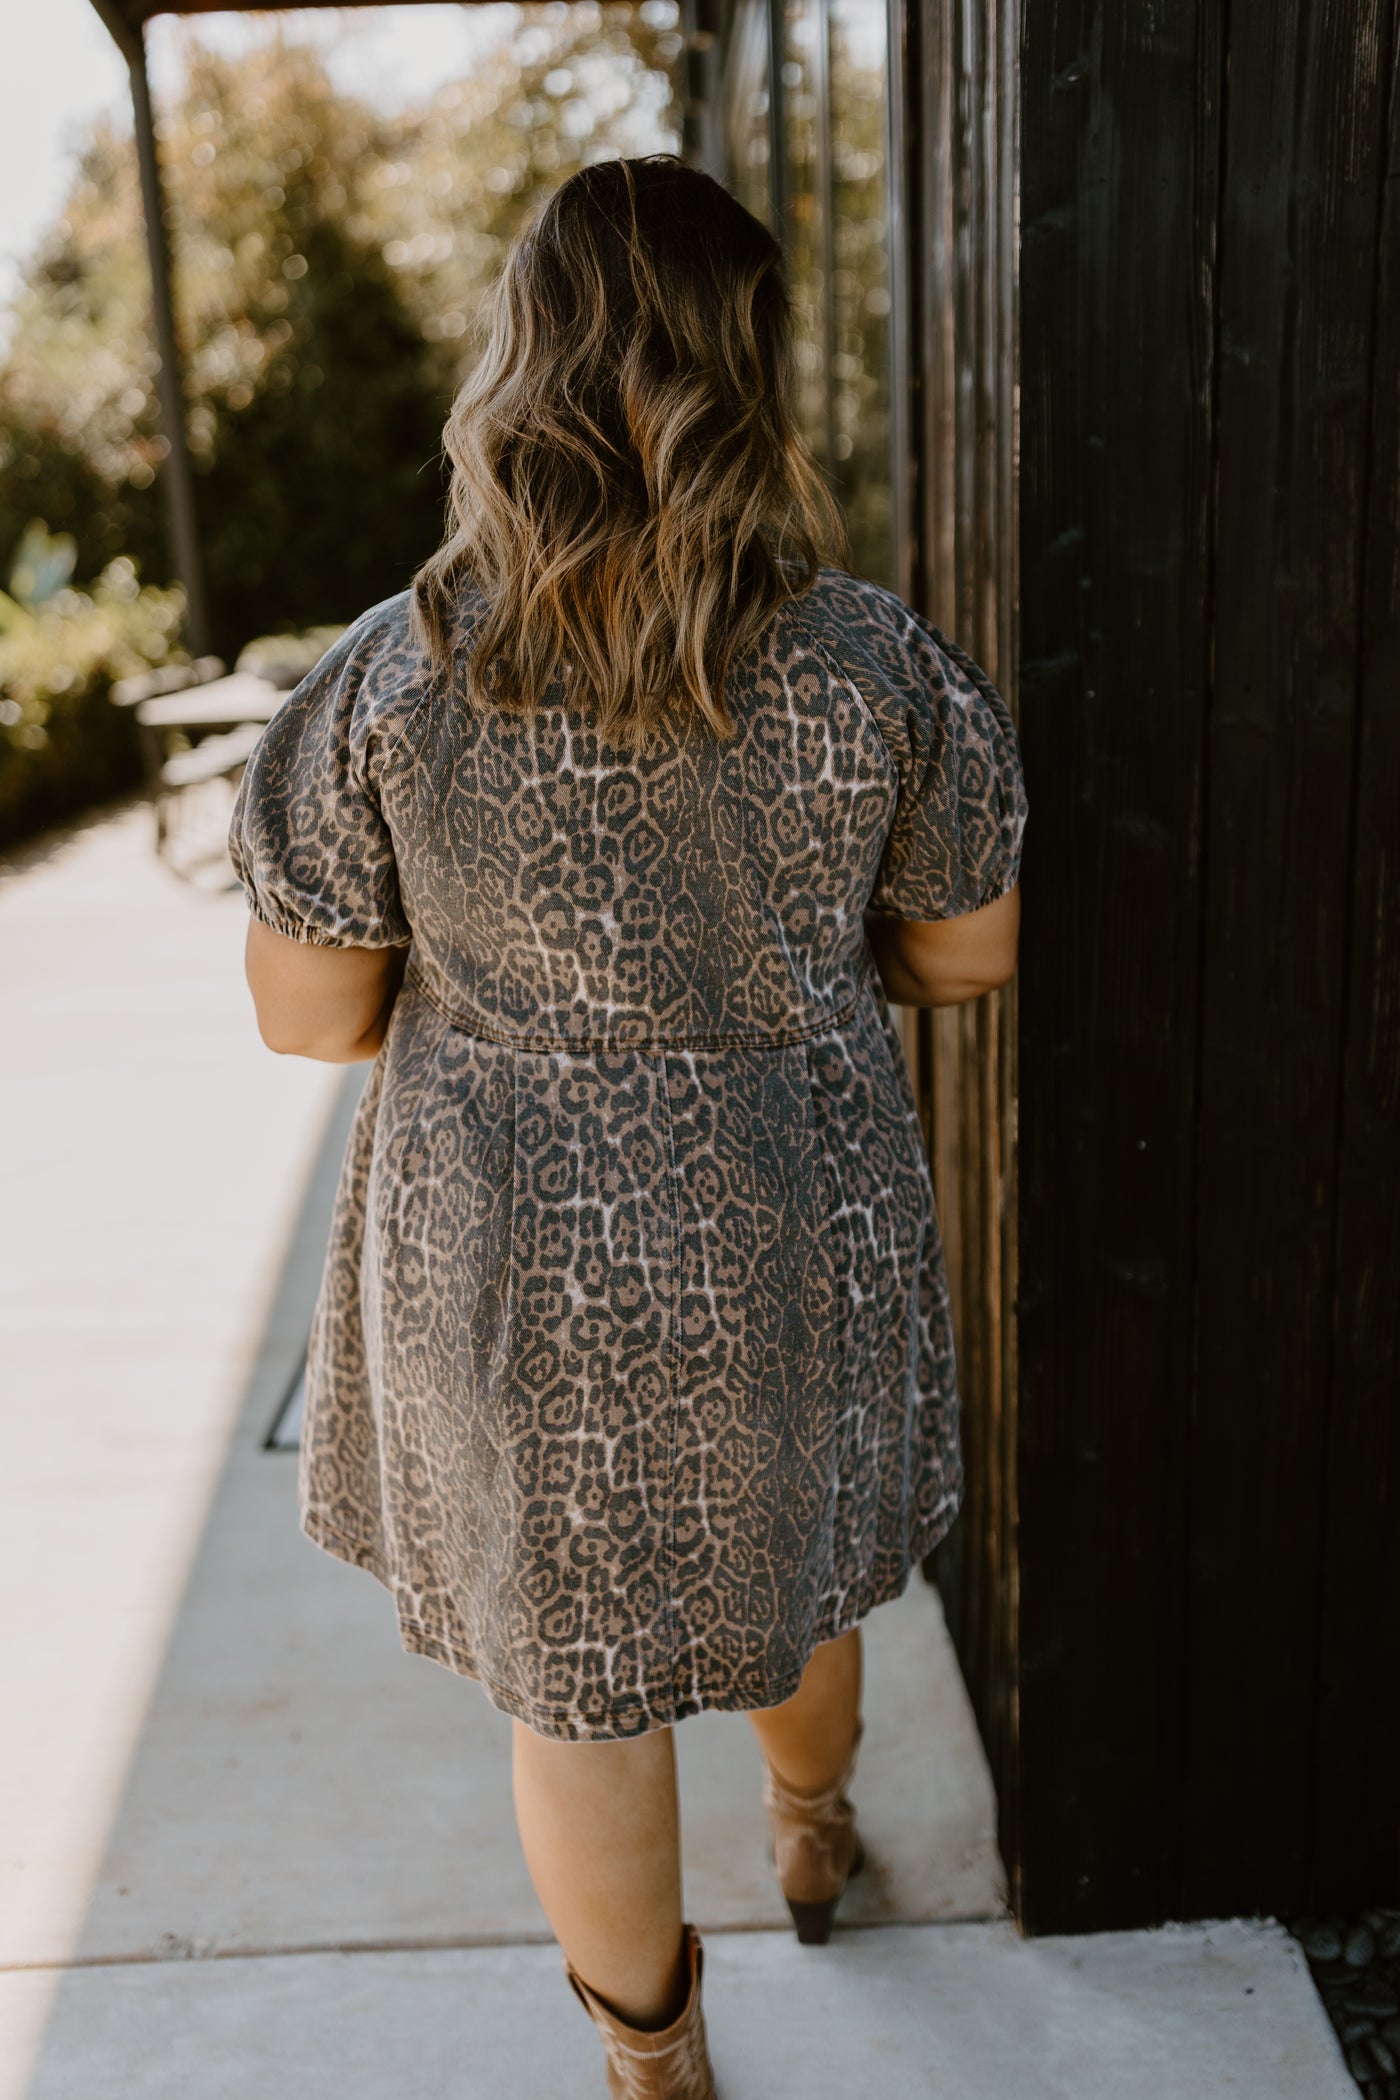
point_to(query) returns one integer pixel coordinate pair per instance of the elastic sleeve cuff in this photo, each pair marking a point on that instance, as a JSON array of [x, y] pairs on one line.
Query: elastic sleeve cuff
[[309, 936]]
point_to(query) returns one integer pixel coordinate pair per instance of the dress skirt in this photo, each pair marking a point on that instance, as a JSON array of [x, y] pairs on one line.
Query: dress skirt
[[631, 1374]]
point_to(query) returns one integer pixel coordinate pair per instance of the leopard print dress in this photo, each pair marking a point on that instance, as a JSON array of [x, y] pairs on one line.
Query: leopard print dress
[[631, 1375]]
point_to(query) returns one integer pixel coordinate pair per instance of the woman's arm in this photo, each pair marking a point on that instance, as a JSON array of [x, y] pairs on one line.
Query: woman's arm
[[329, 1003], [942, 962]]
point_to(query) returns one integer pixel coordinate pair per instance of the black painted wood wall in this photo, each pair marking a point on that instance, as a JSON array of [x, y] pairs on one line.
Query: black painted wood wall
[[1194, 1709]]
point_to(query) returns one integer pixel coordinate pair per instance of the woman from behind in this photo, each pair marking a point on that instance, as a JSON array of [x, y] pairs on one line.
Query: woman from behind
[[631, 1375]]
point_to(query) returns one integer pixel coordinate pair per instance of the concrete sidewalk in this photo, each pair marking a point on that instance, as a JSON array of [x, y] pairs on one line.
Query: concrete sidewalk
[[246, 1843]]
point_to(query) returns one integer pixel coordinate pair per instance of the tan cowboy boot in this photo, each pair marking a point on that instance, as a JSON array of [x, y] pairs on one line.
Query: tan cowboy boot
[[671, 2065], [815, 1846]]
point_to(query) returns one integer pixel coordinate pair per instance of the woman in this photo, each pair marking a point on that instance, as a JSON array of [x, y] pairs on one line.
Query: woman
[[631, 1375]]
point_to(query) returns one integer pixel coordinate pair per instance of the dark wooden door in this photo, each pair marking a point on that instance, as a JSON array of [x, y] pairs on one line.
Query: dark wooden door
[[1176, 1584]]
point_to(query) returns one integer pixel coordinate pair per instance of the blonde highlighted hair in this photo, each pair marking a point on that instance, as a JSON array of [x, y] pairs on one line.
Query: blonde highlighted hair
[[629, 489]]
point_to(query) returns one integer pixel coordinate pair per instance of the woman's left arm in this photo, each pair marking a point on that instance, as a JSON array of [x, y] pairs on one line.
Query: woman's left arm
[[323, 1002]]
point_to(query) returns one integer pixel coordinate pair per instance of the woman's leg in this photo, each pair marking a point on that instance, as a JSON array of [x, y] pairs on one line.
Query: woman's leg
[[600, 1827], [808, 1740]]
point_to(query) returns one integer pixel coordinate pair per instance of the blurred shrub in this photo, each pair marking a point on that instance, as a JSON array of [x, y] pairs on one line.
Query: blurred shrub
[[63, 745]]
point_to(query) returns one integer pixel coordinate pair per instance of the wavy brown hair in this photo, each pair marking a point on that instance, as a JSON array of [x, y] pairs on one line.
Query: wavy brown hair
[[629, 489]]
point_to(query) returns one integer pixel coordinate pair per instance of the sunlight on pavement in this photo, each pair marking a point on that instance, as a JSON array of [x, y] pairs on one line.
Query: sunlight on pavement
[[154, 1152]]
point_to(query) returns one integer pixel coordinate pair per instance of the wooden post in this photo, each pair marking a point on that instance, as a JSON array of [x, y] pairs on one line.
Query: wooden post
[[960, 209], [777, 134], [901, 60], [176, 476], [177, 481], [1355, 1840], [702, 136]]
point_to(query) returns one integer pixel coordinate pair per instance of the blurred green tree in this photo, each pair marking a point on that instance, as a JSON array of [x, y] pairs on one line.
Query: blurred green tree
[[63, 744], [328, 262]]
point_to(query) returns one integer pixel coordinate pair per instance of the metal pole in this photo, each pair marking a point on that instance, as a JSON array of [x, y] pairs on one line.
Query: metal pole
[[702, 140], [777, 129], [820, 16], [177, 482], [901, 206]]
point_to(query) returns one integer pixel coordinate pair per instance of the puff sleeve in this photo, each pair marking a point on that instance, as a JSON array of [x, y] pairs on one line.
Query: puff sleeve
[[308, 836], [954, 842]]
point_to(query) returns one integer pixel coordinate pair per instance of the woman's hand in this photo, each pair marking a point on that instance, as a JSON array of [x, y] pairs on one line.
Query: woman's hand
[[328, 1003]]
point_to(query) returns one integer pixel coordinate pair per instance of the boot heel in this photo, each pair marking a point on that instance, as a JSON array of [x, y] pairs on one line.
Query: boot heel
[[813, 1921], [815, 1847]]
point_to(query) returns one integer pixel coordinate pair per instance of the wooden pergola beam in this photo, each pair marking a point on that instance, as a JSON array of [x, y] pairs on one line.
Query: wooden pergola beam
[[129, 17]]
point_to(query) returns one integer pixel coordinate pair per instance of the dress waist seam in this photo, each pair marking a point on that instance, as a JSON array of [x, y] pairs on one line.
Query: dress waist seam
[[723, 1039]]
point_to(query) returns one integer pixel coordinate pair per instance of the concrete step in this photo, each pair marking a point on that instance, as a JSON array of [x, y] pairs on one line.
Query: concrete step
[[951, 2012]]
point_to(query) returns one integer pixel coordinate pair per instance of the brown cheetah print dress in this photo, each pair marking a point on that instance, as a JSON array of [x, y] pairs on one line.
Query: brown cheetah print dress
[[631, 1375]]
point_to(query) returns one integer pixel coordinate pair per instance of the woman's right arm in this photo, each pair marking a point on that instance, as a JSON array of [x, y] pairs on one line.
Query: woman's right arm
[[329, 1003], [943, 962]]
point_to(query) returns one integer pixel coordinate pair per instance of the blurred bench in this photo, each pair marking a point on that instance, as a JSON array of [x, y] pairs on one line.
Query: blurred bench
[[217, 719], [216, 757], [171, 678]]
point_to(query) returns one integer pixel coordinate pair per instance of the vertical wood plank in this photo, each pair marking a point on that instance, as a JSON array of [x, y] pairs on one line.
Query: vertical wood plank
[[1304, 149], [905, 376], [1355, 1836], [1119, 183], [956, 1581], [967, 431]]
